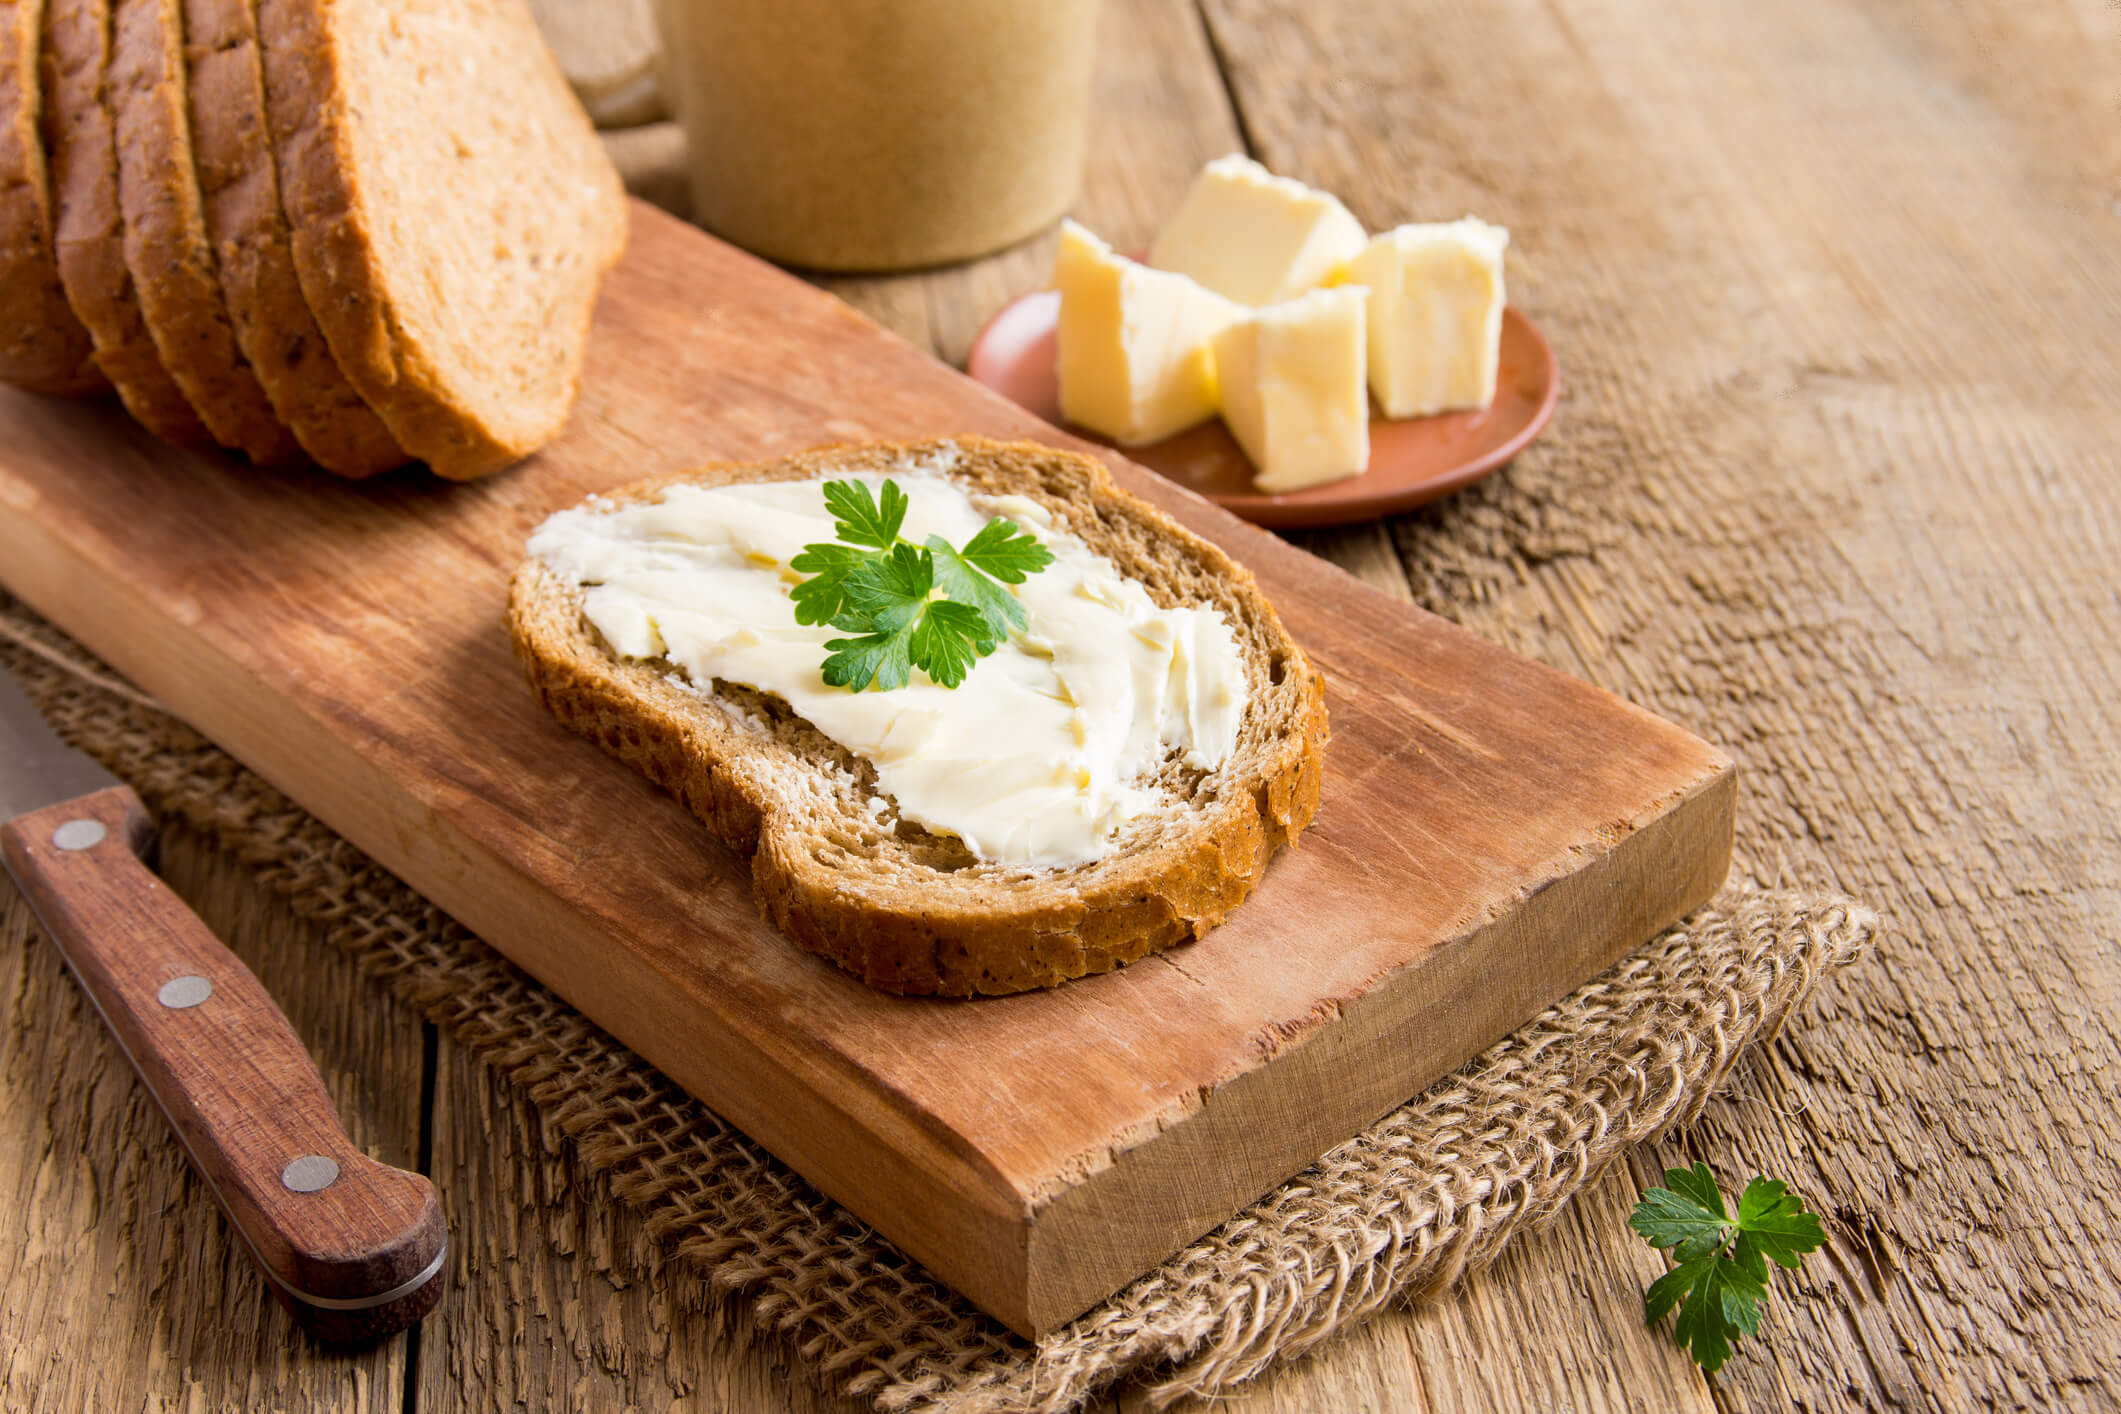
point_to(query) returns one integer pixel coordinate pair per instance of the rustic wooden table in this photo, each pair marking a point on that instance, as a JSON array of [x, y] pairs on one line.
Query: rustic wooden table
[[1836, 286]]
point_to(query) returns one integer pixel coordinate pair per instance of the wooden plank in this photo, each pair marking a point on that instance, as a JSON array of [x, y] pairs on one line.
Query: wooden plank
[[1836, 291], [1494, 832], [121, 1284]]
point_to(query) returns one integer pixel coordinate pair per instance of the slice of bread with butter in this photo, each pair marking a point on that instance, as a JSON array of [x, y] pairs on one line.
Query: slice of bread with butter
[[1110, 781]]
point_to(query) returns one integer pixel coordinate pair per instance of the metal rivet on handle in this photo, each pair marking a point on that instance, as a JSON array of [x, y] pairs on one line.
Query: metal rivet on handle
[[79, 834], [309, 1173], [180, 992]]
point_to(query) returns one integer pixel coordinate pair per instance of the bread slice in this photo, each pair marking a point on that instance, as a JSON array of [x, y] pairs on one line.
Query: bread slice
[[452, 213], [911, 911], [165, 234], [90, 236], [254, 254], [42, 345]]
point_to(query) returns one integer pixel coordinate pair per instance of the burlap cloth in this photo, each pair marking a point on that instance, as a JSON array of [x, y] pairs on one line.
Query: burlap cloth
[[1431, 1192]]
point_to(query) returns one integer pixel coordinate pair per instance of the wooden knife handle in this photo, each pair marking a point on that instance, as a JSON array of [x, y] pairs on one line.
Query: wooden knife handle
[[352, 1247]]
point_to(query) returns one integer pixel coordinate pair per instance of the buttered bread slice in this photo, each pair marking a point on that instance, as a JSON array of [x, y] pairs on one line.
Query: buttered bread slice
[[1108, 781]]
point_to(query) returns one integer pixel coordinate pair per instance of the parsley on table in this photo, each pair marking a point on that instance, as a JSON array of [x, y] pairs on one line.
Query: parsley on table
[[1723, 1261], [936, 607]]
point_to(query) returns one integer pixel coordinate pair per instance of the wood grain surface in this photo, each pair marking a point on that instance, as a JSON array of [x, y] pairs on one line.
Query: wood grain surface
[[1836, 287]]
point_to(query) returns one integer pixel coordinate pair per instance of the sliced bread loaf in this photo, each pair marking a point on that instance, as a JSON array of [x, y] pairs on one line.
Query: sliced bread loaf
[[906, 909], [452, 213], [253, 253], [91, 229], [165, 234], [42, 345]]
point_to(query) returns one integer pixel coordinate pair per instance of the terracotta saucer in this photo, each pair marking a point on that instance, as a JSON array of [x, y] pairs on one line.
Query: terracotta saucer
[[1412, 462]]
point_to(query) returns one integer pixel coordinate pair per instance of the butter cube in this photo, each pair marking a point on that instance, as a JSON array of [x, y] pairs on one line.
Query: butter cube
[[1436, 302], [1292, 389], [1256, 237], [1136, 345]]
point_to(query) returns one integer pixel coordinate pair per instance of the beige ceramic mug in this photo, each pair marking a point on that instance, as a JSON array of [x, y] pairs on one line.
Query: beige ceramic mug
[[879, 134]]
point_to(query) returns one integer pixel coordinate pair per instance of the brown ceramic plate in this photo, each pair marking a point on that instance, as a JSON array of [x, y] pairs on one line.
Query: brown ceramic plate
[[1412, 461]]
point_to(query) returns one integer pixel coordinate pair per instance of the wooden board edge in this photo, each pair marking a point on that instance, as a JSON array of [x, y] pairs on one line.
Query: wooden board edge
[[1090, 1240]]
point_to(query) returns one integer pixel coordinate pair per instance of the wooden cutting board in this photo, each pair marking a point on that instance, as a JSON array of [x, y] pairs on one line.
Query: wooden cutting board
[[1493, 832]]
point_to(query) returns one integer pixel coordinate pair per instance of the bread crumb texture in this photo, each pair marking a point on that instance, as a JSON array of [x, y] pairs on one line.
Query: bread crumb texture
[[452, 212]]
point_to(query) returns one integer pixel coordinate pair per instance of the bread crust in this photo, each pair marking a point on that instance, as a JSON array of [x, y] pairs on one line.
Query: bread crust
[[43, 347], [254, 254], [958, 931], [165, 235], [90, 236]]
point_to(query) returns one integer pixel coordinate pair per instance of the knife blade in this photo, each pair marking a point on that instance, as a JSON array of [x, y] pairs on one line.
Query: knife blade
[[352, 1247]]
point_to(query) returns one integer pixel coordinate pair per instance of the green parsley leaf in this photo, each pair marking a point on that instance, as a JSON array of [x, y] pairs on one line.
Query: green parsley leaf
[[936, 608], [886, 592], [1670, 1217], [996, 605], [1704, 1325], [1006, 552], [1775, 1221], [1698, 1186], [1746, 1253], [859, 520], [940, 637], [1722, 1273], [902, 628], [946, 642], [823, 597], [882, 659], [1669, 1290]]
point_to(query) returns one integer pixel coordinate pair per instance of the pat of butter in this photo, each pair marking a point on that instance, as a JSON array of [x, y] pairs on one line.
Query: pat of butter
[[1436, 300], [1136, 356], [1292, 389], [1256, 237], [1047, 749]]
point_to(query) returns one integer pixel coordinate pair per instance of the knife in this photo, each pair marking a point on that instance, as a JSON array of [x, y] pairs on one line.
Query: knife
[[352, 1247]]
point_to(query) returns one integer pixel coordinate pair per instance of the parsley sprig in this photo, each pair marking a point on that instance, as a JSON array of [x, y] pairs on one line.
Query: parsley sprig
[[1723, 1261], [935, 607]]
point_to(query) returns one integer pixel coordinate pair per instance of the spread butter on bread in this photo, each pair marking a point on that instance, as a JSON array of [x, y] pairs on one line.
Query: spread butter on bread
[[925, 839]]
